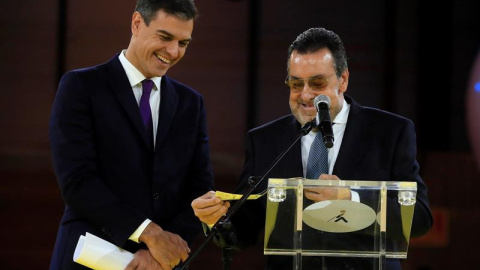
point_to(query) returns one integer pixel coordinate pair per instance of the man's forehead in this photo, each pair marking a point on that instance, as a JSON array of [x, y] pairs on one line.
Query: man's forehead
[[172, 26], [318, 57]]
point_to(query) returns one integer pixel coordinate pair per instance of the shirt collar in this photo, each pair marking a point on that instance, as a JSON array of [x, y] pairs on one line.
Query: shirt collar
[[134, 76], [342, 116]]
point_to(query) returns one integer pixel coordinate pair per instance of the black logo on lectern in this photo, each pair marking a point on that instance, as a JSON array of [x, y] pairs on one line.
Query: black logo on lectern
[[339, 217]]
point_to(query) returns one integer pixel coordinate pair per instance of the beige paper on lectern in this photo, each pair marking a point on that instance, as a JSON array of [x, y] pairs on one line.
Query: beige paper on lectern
[[98, 254]]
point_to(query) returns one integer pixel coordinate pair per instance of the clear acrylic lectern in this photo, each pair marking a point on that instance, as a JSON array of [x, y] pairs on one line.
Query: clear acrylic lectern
[[375, 223]]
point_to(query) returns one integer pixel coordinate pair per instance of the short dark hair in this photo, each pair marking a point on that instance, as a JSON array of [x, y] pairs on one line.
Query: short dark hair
[[184, 9], [315, 39]]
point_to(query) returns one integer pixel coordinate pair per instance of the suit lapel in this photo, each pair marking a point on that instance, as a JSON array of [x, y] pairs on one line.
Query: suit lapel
[[296, 151], [351, 150], [271, 144], [168, 107], [118, 81], [293, 159]]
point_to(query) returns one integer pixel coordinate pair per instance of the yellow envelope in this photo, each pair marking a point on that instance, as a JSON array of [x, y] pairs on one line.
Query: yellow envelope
[[230, 196]]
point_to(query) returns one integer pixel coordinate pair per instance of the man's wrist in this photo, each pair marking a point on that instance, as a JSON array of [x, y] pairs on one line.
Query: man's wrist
[[138, 232], [150, 233], [344, 194]]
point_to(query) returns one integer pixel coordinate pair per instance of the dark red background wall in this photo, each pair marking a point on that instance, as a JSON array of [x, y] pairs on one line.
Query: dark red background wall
[[409, 57]]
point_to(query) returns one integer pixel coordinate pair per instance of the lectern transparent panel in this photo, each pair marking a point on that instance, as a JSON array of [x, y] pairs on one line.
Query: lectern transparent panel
[[374, 222]]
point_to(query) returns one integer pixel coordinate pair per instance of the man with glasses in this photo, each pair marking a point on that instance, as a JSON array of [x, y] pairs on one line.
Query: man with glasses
[[370, 144]]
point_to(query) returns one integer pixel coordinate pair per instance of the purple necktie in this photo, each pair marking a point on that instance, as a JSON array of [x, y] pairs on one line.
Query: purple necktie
[[145, 110]]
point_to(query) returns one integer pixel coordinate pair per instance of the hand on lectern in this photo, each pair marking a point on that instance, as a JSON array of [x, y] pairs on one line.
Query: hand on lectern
[[209, 209], [318, 194]]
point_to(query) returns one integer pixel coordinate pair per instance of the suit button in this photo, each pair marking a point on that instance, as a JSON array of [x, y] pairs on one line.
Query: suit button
[[106, 232], [156, 196]]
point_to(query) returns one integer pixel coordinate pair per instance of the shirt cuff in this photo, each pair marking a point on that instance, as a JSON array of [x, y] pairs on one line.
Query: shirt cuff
[[355, 196], [134, 237]]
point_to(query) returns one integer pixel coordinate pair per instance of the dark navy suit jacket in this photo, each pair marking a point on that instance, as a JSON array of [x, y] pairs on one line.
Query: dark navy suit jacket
[[110, 178], [377, 145]]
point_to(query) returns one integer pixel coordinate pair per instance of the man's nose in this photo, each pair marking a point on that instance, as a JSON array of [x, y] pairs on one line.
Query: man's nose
[[172, 49], [308, 93]]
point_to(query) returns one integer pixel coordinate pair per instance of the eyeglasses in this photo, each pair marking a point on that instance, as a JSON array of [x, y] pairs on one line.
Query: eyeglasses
[[315, 83]]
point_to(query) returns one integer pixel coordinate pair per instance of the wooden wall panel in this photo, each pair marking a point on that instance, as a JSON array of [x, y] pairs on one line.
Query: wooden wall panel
[[27, 79]]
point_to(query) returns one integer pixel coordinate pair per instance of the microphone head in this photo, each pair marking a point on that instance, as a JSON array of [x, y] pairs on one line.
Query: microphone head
[[321, 101]]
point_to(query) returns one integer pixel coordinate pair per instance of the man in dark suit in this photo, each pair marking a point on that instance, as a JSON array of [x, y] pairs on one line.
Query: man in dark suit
[[128, 174], [370, 144]]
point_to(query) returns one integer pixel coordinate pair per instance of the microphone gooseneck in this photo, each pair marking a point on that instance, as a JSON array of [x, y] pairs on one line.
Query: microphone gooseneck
[[224, 224]]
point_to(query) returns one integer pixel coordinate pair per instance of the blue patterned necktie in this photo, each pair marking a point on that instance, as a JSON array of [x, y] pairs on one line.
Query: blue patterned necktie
[[317, 164], [145, 110], [317, 158]]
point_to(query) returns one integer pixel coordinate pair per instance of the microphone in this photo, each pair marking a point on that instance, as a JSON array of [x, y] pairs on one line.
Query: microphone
[[322, 104]]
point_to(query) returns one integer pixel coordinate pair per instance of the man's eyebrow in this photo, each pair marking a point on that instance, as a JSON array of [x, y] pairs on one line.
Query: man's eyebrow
[[164, 32], [318, 76]]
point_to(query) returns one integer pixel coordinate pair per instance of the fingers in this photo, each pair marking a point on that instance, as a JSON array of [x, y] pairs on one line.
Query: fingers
[[328, 177], [179, 249], [215, 216], [206, 200], [209, 208], [171, 264], [166, 266], [212, 208], [165, 247], [142, 259], [319, 194], [312, 195], [184, 250], [174, 263]]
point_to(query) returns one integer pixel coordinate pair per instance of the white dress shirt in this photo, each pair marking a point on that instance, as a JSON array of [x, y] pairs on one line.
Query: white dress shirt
[[340, 123], [135, 77]]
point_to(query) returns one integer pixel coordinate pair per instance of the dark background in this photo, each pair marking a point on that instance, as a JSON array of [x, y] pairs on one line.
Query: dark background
[[410, 57]]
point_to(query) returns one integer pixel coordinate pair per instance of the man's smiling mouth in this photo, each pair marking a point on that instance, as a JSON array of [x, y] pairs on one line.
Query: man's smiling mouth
[[163, 59]]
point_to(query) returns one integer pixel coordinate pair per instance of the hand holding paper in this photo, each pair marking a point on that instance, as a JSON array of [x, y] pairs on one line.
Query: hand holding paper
[[98, 254], [209, 208]]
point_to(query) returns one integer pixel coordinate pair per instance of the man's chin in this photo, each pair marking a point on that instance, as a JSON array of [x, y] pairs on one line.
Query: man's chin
[[159, 73], [303, 120], [159, 70]]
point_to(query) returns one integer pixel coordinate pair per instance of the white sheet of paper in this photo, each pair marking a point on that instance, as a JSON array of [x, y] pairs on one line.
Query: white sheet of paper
[[98, 254]]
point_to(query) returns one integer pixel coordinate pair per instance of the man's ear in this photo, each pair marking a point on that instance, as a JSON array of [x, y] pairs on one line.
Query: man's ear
[[137, 21], [344, 81]]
